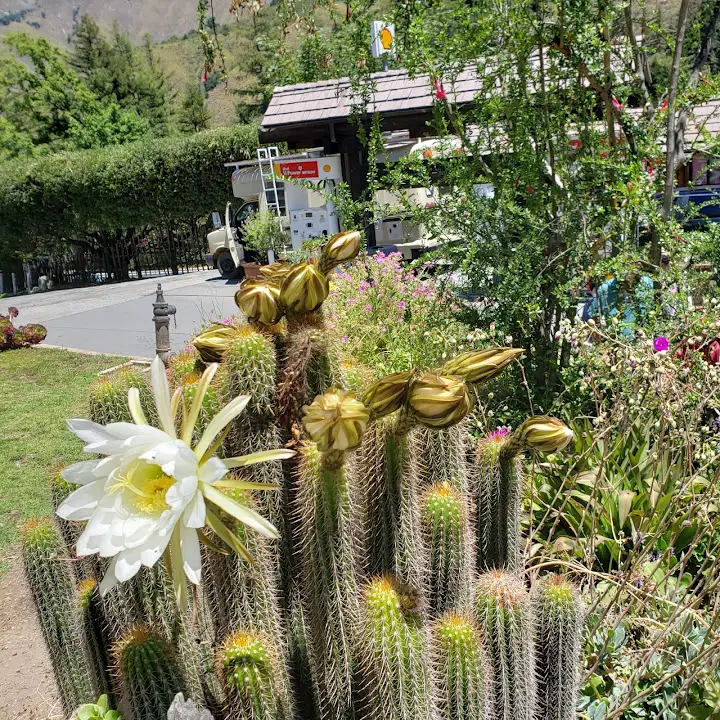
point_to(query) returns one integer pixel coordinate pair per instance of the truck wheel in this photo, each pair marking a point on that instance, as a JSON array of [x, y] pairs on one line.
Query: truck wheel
[[226, 266]]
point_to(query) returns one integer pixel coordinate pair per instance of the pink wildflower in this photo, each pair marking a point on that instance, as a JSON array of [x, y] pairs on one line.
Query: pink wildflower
[[499, 434]]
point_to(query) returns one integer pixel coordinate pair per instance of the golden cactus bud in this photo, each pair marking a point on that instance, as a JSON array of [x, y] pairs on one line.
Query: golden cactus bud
[[260, 301], [276, 272], [336, 420], [213, 343], [388, 394], [304, 288], [544, 433], [339, 249], [480, 366], [439, 402]]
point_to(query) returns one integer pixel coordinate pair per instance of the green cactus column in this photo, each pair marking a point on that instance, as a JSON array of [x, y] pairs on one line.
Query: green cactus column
[[108, 397], [327, 536], [49, 571], [392, 655], [504, 615], [440, 456], [559, 616], [461, 670], [447, 545], [251, 366], [149, 673], [93, 625], [254, 678], [497, 488]]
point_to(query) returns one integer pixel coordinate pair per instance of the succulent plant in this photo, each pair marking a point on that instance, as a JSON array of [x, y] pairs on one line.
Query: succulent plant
[[461, 669], [447, 547], [48, 568], [504, 615], [393, 654], [108, 396], [368, 605], [148, 671], [497, 482], [328, 562], [99, 710], [559, 616], [252, 677]]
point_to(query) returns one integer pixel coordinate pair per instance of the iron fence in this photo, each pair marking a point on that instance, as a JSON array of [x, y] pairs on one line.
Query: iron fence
[[126, 255]]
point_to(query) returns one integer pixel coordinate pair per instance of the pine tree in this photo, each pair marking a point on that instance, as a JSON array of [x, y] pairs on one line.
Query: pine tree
[[194, 114]]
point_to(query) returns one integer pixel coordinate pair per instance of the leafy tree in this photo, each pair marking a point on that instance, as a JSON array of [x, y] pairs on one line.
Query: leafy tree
[[43, 102], [194, 113]]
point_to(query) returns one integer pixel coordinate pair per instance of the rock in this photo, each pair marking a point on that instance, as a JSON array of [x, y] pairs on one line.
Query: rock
[[182, 709]]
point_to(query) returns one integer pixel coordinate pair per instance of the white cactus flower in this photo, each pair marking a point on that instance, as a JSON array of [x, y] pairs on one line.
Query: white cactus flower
[[151, 492]]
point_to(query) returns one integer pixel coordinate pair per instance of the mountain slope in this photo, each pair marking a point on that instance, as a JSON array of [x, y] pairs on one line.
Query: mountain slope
[[162, 19]]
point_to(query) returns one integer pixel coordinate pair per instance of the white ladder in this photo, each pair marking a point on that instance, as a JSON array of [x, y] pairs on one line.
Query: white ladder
[[272, 192]]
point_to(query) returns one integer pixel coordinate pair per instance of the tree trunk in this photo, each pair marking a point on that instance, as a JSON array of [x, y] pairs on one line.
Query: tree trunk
[[670, 147], [707, 36]]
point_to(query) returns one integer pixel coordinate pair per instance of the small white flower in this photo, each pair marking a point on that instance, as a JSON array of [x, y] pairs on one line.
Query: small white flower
[[147, 495]]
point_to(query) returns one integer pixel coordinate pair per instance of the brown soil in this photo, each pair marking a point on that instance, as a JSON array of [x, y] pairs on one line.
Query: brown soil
[[27, 686]]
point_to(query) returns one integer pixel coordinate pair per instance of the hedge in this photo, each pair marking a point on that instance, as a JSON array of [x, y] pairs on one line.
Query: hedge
[[71, 194]]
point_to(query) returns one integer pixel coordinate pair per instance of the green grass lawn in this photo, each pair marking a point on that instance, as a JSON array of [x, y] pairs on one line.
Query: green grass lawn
[[38, 390]]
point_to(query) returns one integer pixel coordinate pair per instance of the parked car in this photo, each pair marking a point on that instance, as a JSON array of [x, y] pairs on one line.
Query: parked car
[[696, 207]]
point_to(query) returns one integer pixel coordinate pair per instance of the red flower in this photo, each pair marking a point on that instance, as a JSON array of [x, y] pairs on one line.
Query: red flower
[[713, 353], [439, 91]]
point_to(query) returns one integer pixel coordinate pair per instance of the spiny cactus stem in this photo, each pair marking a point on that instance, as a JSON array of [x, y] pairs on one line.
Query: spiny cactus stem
[[404, 423], [332, 461]]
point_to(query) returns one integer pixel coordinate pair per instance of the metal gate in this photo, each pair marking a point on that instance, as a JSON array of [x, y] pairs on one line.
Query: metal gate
[[124, 255]]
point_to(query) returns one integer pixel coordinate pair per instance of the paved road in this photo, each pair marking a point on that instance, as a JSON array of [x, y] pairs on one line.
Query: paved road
[[117, 319]]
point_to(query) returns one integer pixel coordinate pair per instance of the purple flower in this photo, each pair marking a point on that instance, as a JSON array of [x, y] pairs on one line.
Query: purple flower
[[367, 307], [661, 343], [227, 321], [402, 305], [344, 339], [364, 285], [500, 434]]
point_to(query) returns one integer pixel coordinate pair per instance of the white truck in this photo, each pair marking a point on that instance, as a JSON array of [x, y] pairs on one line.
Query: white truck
[[260, 186]]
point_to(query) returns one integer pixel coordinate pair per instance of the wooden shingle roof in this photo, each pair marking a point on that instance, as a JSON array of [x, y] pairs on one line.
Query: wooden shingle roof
[[389, 92]]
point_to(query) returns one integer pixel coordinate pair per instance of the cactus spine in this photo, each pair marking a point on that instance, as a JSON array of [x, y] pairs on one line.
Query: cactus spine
[[49, 571], [497, 489], [447, 547], [328, 584], [504, 615], [148, 671], [461, 670], [559, 621], [392, 655], [252, 676]]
